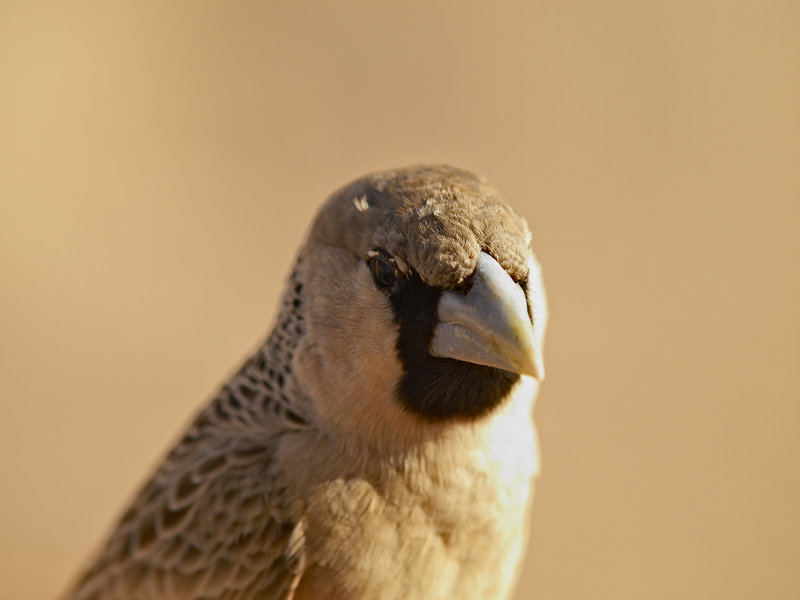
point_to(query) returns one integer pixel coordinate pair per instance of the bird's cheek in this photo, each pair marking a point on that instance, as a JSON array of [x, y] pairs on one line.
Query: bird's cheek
[[347, 362]]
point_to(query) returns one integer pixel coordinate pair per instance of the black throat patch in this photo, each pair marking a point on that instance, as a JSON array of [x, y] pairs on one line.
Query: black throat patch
[[439, 389]]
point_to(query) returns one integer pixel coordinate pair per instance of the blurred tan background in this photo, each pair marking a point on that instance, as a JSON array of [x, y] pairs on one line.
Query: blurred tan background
[[159, 165]]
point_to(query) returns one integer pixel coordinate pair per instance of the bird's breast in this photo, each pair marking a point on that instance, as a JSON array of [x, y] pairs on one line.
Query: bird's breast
[[446, 521]]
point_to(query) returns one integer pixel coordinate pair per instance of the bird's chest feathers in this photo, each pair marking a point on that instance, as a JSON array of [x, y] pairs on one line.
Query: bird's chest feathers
[[447, 519]]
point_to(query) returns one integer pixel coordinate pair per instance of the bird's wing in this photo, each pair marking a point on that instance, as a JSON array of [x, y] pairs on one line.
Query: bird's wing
[[209, 524]]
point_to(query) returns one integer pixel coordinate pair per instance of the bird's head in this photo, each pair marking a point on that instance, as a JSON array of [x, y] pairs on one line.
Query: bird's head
[[422, 301]]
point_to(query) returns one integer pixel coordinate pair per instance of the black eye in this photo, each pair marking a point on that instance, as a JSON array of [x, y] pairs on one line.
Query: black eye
[[384, 269]]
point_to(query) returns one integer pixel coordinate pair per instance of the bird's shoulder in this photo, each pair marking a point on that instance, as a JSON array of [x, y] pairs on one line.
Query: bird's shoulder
[[212, 521]]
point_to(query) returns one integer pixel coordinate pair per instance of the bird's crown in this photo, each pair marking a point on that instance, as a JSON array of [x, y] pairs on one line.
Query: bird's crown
[[436, 218]]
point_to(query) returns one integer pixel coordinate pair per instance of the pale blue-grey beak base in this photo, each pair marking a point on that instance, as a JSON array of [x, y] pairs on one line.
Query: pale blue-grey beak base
[[489, 325]]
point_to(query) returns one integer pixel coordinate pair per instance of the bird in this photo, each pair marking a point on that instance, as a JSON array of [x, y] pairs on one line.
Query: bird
[[379, 444]]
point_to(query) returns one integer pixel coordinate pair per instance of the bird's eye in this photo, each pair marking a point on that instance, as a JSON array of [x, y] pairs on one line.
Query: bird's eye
[[384, 269]]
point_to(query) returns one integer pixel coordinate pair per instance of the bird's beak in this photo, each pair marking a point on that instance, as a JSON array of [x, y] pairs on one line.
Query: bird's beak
[[489, 325]]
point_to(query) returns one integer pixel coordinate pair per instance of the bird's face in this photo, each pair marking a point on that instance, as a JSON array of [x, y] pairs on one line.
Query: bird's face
[[422, 300]]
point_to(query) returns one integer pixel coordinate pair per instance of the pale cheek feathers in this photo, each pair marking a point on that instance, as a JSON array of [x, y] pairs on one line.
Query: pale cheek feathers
[[351, 367], [537, 299]]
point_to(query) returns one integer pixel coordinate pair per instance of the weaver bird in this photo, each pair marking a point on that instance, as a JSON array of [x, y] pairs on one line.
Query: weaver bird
[[379, 444]]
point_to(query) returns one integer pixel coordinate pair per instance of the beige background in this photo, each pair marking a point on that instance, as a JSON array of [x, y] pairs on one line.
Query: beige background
[[160, 162]]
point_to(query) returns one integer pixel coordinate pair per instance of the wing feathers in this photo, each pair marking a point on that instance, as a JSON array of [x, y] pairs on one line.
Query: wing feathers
[[208, 524]]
